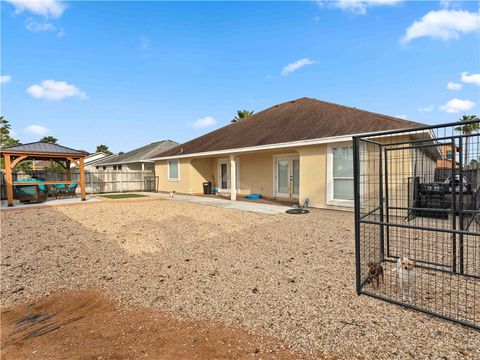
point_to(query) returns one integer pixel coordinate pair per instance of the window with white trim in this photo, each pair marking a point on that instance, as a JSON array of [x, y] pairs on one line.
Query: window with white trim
[[173, 170], [340, 189]]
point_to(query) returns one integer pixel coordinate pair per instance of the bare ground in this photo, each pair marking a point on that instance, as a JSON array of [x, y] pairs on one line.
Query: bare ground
[[291, 277], [86, 325]]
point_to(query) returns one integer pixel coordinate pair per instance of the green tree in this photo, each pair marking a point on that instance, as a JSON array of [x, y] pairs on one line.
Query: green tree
[[468, 129], [5, 139], [5, 126], [49, 139], [104, 149], [242, 114]]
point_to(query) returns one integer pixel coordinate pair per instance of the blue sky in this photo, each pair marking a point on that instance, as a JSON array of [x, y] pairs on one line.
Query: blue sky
[[126, 74]]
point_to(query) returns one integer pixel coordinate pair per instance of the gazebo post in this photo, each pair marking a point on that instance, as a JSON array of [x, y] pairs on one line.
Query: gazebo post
[[67, 170], [82, 178], [8, 179]]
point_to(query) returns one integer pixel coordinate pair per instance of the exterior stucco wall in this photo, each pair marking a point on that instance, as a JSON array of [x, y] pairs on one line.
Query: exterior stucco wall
[[256, 174], [180, 186], [313, 175], [200, 172]]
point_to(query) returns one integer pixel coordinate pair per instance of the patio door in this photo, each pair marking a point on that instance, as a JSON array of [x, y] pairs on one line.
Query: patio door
[[287, 176], [224, 175]]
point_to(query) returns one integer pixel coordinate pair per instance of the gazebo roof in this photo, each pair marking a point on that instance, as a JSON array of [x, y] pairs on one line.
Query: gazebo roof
[[43, 148]]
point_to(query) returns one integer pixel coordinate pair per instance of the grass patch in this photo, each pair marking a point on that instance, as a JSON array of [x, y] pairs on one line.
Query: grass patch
[[123, 196]]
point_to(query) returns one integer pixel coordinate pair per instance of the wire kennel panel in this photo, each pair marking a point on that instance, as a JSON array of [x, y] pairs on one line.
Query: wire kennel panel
[[417, 196]]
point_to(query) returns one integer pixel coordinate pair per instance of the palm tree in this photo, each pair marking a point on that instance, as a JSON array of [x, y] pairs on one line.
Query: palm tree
[[103, 148], [49, 139], [468, 129], [242, 114], [4, 126]]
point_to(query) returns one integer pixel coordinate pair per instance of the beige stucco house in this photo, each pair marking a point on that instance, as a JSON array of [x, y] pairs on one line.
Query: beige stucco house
[[292, 151]]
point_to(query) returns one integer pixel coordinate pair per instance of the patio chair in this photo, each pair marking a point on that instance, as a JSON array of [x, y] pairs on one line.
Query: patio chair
[[62, 190], [28, 193]]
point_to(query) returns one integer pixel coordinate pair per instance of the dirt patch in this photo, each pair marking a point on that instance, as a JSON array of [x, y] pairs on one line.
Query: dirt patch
[[86, 325]]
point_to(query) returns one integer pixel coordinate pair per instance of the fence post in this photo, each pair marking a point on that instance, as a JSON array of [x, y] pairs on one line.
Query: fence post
[[90, 173], [356, 195], [380, 195]]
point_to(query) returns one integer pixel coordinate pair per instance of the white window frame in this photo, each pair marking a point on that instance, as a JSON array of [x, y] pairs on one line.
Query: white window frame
[[330, 183], [178, 170]]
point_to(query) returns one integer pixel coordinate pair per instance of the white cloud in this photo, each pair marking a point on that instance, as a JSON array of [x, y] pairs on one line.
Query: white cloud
[[45, 8], [5, 79], [448, 4], [443, 24], [426, 109], [36, 27], [454, 86], [402, 116], [36, 130], [203, 122], [296, 65], [470, 78], [457, 105], [358, 6], [55, 90]]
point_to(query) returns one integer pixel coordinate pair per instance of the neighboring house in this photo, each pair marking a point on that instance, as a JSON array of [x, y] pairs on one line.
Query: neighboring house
[[45, 164], [295, 150], [92, 159], [448, 153], [134, 160]]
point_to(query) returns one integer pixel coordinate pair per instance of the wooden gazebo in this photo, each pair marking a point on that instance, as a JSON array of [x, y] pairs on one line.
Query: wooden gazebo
[[43, 151]]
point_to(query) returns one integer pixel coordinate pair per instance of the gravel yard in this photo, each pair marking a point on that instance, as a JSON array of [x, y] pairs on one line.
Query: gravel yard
[[288, 276]]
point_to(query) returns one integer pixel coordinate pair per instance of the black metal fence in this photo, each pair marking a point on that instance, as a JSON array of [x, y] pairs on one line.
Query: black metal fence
[[417, 219]]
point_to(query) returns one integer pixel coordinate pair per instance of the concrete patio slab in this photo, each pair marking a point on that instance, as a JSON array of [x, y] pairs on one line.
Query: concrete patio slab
[[228, 204], [50, 202]]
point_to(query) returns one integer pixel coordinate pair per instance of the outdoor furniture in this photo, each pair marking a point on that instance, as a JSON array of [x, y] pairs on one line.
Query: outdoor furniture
[[64, 190], [28, 192], [59, 154]]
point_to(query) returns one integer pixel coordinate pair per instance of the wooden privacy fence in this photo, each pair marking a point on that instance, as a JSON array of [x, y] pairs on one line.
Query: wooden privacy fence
[[96, 182]]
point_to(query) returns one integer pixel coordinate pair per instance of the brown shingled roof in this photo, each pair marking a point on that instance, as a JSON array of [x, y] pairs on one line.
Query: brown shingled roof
[[301, 119]]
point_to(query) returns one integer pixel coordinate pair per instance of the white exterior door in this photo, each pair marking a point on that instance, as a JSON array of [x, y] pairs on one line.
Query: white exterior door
[[223, 175], [287, 176]]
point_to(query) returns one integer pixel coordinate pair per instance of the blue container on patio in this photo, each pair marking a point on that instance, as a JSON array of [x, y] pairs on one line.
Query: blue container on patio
[[253, 196]]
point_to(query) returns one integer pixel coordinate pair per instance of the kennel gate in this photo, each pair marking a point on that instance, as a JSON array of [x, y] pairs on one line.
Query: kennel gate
[[417, 195]]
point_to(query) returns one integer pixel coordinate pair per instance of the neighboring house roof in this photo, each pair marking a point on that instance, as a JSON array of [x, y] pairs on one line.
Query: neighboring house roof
[[297, 120], [40, 147], [142, 154], [103, 159], [93, 158]]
